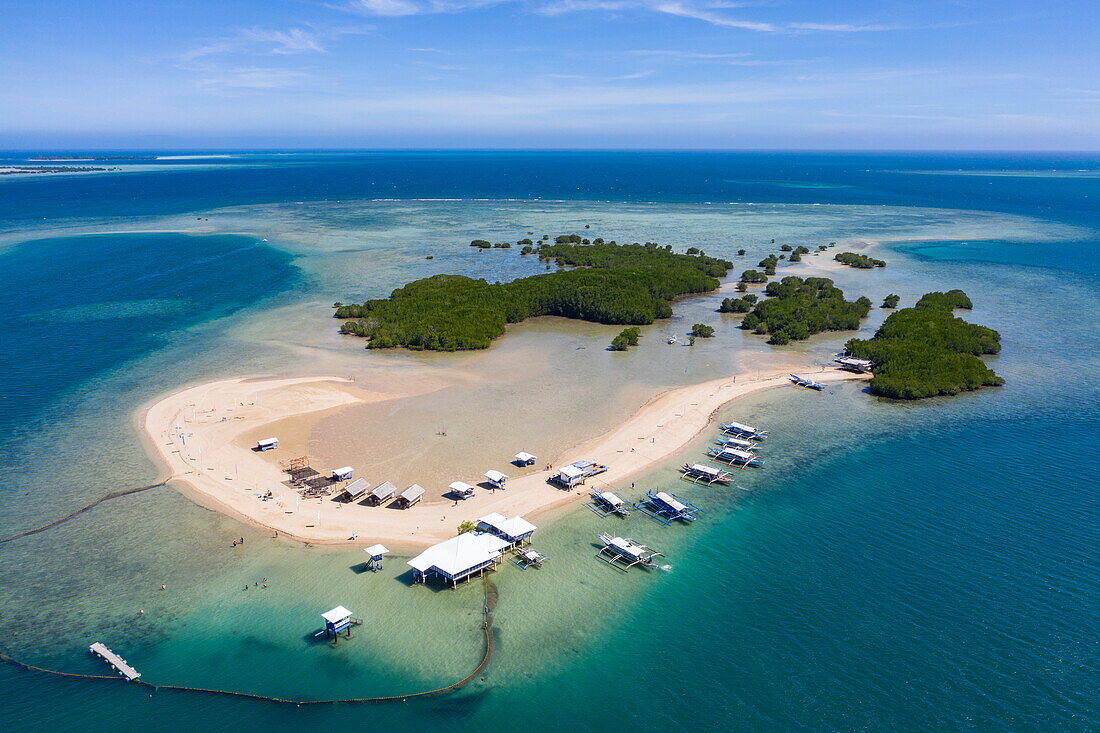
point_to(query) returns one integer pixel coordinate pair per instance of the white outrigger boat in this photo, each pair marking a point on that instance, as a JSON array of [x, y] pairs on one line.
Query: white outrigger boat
[[700, 473], [735, 457], [741, 430], [738, 443], [606, 503], [667, 507], [625, 553], [528, 558], [804, 382]]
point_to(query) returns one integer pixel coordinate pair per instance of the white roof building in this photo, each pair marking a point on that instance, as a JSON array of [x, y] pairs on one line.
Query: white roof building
[[459, 557], [496, 478], [412, 495], [526, 458], [513, 529], [461, 487], [357, 488], [336, 615]]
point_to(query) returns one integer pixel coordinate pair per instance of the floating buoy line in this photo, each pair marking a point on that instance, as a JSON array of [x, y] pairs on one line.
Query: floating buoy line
[[490, 601]]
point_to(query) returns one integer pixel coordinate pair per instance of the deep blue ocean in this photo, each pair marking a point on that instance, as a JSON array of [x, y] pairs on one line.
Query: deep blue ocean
[[936, 568]]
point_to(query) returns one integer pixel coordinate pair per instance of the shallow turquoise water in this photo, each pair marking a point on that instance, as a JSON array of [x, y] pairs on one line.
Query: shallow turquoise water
[[924, 566]]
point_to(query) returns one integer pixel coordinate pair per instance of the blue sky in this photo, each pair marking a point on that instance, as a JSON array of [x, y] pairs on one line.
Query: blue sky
[[931, 74]]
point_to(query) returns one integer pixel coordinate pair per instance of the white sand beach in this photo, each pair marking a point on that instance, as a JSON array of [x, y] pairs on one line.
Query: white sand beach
[[204, 437]]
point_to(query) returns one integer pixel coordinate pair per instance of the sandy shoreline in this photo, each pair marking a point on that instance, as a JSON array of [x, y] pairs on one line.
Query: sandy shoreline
[[203, 437]]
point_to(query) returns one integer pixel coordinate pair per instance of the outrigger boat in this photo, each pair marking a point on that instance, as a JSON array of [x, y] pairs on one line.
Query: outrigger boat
[[666, 507], [606, 503], [735, 457], [738, 443], [804, 382], [625, 553], [699, 473], [740, 430], [528, 558]]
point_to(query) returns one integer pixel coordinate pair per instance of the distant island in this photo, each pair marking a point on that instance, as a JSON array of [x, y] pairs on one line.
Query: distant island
[[91, 157], [20, 170], [627, 284], [925, 351]]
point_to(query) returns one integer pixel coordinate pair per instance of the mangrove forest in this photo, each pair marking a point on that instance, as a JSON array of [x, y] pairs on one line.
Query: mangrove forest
[[630, 284], [797, 308], [925, 351]]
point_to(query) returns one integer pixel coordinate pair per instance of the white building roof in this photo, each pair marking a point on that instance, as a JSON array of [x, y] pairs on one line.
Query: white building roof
[[358, 487], [267, 441], [342, 471], [384, 491], [522, 456], [336, 615], [461, 487], [494, 475], [461, 553], [570, 472], [511, 526], [413, 492], [374, 550]]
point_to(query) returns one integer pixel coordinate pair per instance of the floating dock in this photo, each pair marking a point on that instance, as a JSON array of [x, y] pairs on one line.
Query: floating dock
[[121, 665]]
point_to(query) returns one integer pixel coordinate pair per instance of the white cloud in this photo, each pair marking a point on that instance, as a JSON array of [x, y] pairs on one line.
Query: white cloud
[[250, 78], [269, 41], [842, 27], [398, 8], [687, 54], [687, 10]]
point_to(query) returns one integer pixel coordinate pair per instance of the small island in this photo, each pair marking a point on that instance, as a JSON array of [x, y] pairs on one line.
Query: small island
[[25, 169], [628, 284], [861, 262], [797, 308], [926, 351]]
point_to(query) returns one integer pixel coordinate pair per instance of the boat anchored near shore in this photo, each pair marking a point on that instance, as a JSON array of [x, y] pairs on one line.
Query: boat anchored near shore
[[741, 430], [624, 553], [804, 382]]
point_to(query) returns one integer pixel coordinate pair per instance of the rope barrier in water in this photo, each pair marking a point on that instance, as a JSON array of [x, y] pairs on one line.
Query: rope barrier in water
[[78, 512], [491, 596]]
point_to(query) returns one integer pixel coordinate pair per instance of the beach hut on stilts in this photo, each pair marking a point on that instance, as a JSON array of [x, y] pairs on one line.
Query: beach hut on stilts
[[375, 555], [336, 621], [523, 459]]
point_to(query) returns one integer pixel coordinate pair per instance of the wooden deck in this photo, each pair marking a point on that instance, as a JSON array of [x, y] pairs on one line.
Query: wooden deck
[[123, 667]]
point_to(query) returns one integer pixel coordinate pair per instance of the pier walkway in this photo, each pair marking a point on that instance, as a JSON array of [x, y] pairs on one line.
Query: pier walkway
[[123, 667]]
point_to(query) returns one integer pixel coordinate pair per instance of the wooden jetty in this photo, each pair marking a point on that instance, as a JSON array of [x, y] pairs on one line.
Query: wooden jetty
[[121, 665]]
